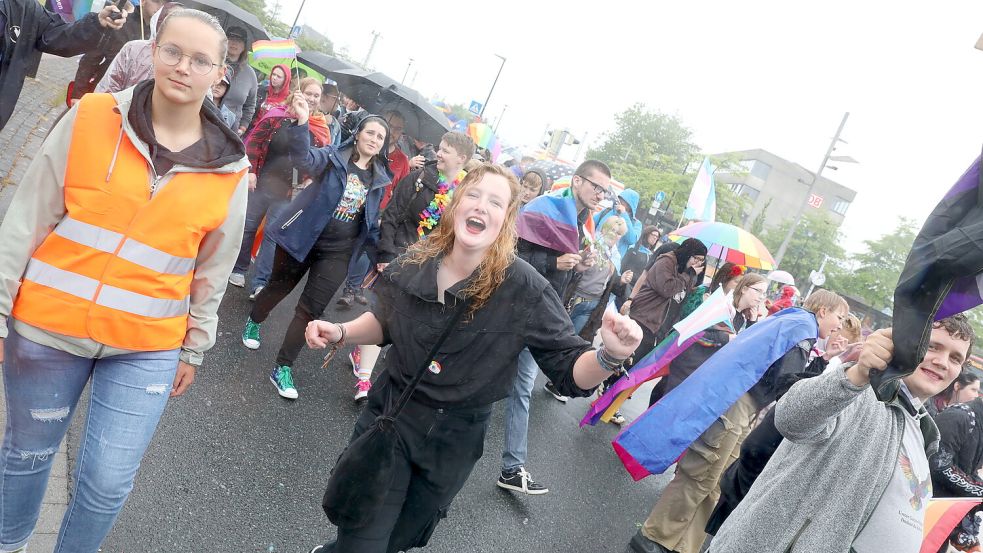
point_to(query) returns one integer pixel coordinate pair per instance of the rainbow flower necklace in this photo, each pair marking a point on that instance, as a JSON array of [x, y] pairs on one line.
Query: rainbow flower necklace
[[430, 216]]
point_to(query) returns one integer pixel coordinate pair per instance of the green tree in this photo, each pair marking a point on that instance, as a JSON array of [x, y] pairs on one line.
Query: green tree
[[647, 139], [873, 275], [815, 236], [308, 44], [758, 225], [258, 8]]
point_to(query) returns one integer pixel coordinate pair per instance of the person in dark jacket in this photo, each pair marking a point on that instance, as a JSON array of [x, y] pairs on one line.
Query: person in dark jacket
[[28, 30], [469, 258], [589, 185], [323, 226], [955, 467], [414, 209], [964, 389], [636, 258], [95, 62], [532, 185]]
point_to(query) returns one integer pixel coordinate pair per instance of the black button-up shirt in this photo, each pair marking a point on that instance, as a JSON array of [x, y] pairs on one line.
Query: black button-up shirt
[[478, 362]]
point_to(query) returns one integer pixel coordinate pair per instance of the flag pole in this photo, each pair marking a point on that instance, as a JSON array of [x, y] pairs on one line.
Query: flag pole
[[142, 37]]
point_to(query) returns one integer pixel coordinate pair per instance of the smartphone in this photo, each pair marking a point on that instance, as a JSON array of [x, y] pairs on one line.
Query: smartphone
[[121, 5]]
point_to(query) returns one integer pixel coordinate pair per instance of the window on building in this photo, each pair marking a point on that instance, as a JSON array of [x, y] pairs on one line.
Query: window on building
[[742, 189], [761, 170], [840, 206]]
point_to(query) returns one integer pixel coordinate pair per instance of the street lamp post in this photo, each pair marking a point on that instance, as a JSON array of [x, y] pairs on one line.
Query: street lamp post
[[407, 72], [483, 106], [812, 187], [296, 19]]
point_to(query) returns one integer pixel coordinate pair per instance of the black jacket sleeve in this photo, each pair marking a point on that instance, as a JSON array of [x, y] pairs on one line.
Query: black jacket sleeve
[[782, 374], [553, 343], [66, 39], [387, 249], [955, 427]]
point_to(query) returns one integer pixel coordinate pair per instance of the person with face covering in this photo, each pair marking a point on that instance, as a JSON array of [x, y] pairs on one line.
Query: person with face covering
[[275, 92], [113, 263], [656, 301], [467, 266], [322, 228], [134, 62]]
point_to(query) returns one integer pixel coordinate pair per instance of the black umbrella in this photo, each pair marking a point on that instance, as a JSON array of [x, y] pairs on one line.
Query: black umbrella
[[231, 15], [323, 63], [378, 94]]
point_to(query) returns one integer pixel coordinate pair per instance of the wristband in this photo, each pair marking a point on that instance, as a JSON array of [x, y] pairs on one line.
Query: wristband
[[609, 362], [344, 334]]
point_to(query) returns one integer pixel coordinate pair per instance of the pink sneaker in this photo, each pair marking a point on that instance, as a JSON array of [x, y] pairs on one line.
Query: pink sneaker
[[362, 390], [356, 358]]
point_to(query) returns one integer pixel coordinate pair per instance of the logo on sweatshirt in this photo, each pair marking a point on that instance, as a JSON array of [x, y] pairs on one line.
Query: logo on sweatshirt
[[920, 489], [434, 367]]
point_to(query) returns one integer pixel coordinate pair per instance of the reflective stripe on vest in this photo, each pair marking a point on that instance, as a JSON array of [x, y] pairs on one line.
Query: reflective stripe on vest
[[108, 296], [133, 251]]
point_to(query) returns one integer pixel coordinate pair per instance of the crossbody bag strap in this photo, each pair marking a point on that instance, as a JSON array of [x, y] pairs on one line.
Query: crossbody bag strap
[[393, 412]]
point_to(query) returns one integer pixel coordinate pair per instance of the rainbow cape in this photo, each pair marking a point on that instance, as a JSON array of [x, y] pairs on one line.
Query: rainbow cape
[[655, 440]]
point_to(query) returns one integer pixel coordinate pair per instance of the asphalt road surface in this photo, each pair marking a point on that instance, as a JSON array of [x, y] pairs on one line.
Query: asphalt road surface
[[235, 468]]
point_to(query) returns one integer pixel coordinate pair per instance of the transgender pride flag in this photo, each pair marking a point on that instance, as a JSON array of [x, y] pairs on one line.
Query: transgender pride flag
[[702, 204], [718, 308]]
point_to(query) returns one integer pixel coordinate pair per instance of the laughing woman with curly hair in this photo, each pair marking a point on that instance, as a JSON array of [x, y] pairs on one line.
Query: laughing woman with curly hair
[[469, 263]]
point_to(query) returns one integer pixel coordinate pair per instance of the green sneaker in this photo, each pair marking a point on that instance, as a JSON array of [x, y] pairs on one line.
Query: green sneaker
[[283, 379], [250, 334]]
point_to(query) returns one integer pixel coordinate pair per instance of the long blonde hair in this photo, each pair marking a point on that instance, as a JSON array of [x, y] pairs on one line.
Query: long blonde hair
[[498, 258]]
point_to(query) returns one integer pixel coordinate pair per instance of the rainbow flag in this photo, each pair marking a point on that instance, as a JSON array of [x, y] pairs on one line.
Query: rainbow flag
[[941, 517], [484, 137], [652, 366], [281, 49], [551, 221]]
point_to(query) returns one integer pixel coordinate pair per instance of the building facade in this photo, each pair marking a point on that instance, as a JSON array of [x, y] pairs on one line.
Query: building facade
[[778, 187]]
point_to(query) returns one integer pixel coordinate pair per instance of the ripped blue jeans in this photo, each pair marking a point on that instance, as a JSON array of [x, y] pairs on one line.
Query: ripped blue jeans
[[43, 385]]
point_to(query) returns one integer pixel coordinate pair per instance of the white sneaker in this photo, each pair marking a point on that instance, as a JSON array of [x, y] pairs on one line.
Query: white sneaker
[[237, 279]]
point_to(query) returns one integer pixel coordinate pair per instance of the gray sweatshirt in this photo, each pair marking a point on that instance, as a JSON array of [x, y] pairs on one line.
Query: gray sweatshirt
[[821, 486], [241, 96]]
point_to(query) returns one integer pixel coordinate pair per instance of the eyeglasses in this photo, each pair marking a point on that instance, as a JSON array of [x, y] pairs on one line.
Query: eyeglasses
[[598, 189], [172, 55]]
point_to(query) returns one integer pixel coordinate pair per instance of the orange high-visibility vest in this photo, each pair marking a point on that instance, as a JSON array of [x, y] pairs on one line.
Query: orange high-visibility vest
[[118, 268]]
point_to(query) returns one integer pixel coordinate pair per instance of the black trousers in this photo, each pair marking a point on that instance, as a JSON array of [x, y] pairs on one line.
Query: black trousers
[[437, 450], [328, 268]]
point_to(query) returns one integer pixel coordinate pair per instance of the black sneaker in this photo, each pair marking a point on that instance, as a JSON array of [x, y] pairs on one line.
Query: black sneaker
[[549, 387], [641, 544], [521, 481], [360, 297], [347, 298]]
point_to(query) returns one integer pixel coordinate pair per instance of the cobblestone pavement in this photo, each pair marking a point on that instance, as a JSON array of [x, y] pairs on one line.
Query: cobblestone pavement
[[40, 104]]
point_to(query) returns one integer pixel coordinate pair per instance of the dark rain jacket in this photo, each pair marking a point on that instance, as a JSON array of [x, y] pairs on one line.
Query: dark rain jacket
[[960, 456], [945, 258], [298, 227], [30, 30], [411, 195]]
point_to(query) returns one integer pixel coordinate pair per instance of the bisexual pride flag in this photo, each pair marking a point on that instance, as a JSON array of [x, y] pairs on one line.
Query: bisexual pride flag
[[551, 221]]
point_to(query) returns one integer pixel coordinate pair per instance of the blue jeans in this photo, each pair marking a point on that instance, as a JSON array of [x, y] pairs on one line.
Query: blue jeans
[[581, 313], [358, 267], [43, 385], [517, 413], [261, 204], [264, 258]]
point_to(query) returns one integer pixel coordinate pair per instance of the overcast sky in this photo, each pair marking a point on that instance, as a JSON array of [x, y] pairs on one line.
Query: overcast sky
[[753, 74]]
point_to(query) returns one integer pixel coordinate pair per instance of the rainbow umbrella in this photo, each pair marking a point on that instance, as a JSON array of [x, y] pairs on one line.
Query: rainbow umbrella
[[728, 243], [484, 137]]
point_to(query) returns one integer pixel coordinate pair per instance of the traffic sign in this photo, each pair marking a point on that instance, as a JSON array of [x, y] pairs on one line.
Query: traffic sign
[[660, 197], [475, 107], [817, 278]]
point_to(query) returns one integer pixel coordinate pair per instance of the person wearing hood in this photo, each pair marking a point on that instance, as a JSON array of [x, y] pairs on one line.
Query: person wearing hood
[[656, 300], [625, 207], [786, 300], [134, 62], [241, 97], [320, 231], [218, 93], [94, 63], [27, 30], [275, 91], [532, 185], [113, 263], [956, 466], [272, 179]]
